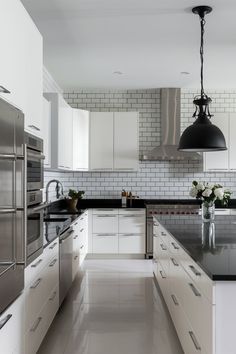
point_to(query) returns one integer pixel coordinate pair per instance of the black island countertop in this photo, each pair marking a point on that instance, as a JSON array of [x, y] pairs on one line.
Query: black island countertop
[[211, 245]]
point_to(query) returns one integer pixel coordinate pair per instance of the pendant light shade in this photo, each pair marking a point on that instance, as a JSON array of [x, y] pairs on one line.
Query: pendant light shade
[[202, 135]]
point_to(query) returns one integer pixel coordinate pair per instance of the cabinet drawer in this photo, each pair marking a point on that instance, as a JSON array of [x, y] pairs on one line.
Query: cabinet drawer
[[129, 243], [162, 280], [38, 291], [105, 243], [105, 223], [162, 253], [39, 328], [52, 250], [12, 325], [105, 211], [132, 223], [136, 211]]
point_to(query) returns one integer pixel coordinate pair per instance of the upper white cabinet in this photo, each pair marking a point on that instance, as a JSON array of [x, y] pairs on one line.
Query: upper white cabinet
[[223, 160], [80, 140], [65, 133], [114, 141], [47, 132], [101, 140], [126, 141], [22, 63]]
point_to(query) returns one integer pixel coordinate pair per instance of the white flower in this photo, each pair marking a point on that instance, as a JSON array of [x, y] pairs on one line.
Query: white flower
[[207, 192], [193, 192], [219, 193], [200, 186]]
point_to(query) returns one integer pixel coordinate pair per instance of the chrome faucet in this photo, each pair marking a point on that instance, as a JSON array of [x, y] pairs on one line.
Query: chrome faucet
[[58, 186]]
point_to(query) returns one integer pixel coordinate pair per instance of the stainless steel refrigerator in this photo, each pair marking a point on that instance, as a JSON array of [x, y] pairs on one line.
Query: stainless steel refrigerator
[[12, 203]]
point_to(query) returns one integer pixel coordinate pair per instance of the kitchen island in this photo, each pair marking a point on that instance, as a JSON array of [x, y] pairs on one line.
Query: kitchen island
[[195, 267]]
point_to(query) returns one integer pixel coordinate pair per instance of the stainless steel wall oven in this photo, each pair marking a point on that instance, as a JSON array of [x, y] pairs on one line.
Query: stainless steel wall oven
[[35, 159]]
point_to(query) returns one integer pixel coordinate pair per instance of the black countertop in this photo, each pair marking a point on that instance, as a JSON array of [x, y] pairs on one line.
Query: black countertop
[[212, 246]]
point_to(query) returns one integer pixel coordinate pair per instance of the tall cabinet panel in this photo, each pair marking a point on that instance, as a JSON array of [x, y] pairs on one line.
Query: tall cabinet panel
[[219, 160], [125, 140], [80, 140], [101, 140]]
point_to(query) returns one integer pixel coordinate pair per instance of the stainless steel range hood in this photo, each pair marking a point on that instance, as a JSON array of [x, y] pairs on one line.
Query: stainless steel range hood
[[170, 129]]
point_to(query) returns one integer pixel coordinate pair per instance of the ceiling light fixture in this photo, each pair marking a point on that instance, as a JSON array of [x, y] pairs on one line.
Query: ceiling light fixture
[[202, 135]]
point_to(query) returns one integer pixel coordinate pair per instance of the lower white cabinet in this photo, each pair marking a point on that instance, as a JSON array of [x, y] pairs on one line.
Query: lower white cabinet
[[41, 296], [118, 231], [12, 328], [187, 292], [80, 242]]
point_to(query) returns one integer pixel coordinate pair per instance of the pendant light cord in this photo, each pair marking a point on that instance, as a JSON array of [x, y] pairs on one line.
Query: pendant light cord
[[201, 54]]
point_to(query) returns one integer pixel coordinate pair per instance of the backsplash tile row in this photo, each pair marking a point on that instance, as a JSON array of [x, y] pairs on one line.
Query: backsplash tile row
[[159, 179]]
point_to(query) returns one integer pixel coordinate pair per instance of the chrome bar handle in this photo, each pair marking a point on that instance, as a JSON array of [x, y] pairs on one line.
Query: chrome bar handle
[[5, 320], [195, 271], [34, 127], [53, 262], [82, 247], [75, 257], [194, 290], [53, 246], [163, 276], [81, 230], [163, 233], [175, 246], [36, 284], [53, 296], [76, 236], [37, 263], [33, 329], [163, 247], [174, 300], [174, 262], [194, 340]]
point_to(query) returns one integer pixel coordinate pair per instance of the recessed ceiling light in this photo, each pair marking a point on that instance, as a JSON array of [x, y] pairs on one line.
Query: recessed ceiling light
[[117, 72], [184, 73]]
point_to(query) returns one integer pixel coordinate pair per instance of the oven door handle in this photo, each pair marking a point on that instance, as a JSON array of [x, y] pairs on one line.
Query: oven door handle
[[37, 156]]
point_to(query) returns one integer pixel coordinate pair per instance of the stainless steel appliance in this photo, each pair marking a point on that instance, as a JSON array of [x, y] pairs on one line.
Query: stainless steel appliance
[[65, 250], [35, 159], [164, 209], [12, 201], [35, 210]]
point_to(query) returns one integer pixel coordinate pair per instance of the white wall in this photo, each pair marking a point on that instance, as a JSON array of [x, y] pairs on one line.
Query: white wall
[[154, 179]]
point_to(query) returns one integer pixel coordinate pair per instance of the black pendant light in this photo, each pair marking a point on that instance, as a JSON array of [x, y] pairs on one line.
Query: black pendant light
[[202, 135]]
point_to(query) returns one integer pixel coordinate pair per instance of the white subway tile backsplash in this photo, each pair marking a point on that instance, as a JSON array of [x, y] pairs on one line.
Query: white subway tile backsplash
[[155, 179]]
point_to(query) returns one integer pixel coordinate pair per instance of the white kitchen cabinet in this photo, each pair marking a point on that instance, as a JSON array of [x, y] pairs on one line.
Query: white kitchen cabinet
[[12, 327], [80, 140], [61, 132], [223, 160], [47, 132], [126, 141], [105, 243], [131, 243], [22, 63], [101, 141], [132, 223]]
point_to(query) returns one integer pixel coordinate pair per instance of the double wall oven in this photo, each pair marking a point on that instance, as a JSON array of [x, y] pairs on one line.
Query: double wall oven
[[35, 206]]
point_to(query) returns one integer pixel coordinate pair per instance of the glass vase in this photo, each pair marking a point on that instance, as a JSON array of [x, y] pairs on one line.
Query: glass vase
[[208, 211]]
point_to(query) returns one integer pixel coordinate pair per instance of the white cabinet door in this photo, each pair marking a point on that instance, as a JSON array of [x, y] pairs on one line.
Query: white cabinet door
[[80, 139], [232, 140], [130, 243], [47, 132], [103, 243], [126, 141], [134, 224], [101, 140], [105, 223], [219, 160], [65, 142]]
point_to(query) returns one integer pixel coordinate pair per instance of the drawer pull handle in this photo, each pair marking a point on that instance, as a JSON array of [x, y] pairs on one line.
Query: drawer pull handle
[[163, 233], [34, 127], [174, 300], [5, 320], [76, 236], [163, 276], [53, 246], [175, 246], [75, 257], [163, 247], [33, 329], [38, 281], [174, 262], [106, 216], [81, 230], [195, 271], [53, 262], [37, 263], [155, 235], [106, 235], [154, 260], [194, 290], [4, 90], [194, 340], [76, 223], [53, 296], [155, 224], [82, 247]]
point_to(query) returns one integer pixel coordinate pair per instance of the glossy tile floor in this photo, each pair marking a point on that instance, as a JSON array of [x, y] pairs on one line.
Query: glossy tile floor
[[113, 308]]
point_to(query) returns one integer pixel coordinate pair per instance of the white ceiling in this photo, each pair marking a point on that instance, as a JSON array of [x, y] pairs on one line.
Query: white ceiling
[[150, 41]]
